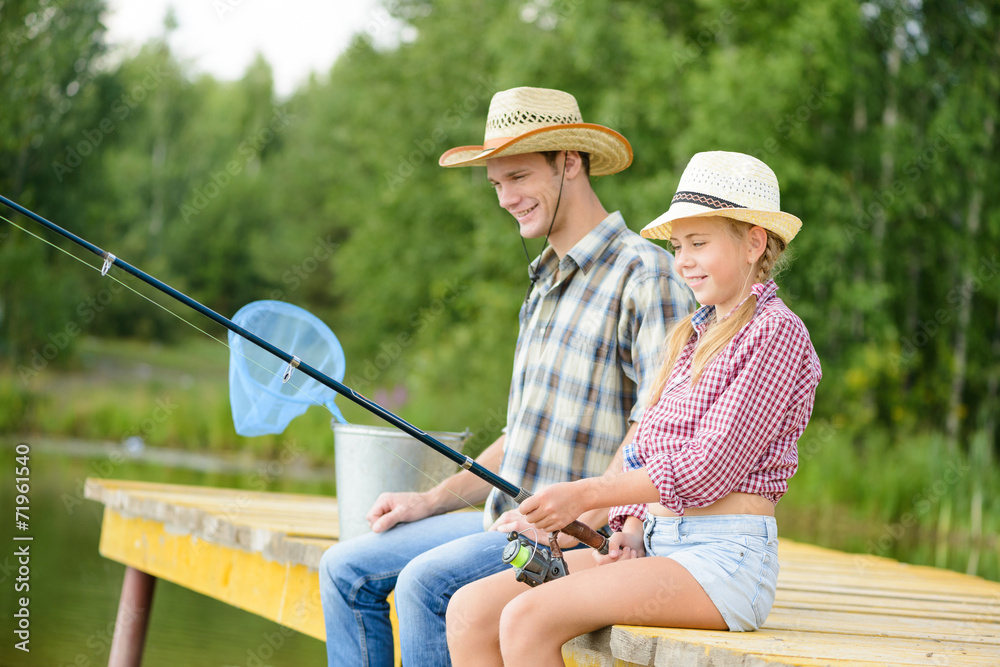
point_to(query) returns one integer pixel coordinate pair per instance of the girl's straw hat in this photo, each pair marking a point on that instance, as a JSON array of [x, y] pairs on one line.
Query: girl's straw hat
[[730, 185], [532, 120]]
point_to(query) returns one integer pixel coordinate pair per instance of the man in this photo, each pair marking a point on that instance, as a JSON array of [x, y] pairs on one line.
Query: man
[[591, 334]]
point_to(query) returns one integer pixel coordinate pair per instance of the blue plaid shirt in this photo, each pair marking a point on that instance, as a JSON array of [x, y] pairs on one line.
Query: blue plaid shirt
[[592, 334]]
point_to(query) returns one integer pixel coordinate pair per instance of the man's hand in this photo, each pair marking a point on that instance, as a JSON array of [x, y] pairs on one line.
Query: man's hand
[[513, 520], [392, 508]]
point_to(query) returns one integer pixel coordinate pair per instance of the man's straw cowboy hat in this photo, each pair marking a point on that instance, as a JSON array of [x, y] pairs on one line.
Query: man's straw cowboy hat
[[533, 120], [729, 185]]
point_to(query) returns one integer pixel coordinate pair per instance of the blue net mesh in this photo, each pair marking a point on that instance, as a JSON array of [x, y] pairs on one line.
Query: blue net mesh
[[261, 402]]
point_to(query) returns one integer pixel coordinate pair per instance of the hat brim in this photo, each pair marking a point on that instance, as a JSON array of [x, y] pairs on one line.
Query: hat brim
[[609, 151], [785, 225]]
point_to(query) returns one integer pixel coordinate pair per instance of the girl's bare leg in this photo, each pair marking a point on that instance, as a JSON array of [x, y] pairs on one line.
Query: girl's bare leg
[[473, 617], [642, 591]]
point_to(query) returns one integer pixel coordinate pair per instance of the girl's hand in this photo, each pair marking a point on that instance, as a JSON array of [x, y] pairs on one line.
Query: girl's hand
[[554, 507], [622, 546]]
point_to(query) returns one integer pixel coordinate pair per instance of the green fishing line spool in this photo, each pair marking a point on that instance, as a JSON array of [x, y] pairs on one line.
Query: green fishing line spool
[[532, 563]]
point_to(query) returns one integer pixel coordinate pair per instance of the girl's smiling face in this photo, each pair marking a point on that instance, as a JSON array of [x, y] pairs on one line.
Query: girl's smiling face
[[714, 262]]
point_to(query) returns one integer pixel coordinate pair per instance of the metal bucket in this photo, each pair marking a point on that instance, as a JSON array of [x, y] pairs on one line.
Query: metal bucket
[[372, 459]]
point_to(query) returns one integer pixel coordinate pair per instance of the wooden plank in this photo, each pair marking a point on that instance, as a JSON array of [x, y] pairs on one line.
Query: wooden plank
[[883, 625], [259, 551], [683, 647], [864, 604], [975, 592], [979, 603], [246, 580], [233, 526], [241, 571]]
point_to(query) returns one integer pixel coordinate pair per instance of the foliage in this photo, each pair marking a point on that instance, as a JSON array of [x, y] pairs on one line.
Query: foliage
[[879, 119]]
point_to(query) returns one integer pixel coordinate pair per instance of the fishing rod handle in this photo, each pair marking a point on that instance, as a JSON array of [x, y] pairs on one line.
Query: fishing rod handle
[[588, 536]]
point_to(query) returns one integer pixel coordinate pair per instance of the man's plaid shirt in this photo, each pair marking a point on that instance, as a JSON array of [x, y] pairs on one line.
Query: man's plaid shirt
[[592, 335]]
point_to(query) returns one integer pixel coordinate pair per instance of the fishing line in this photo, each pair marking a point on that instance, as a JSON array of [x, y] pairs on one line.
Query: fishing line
[[122, 283], [225, 344], [576, 529]]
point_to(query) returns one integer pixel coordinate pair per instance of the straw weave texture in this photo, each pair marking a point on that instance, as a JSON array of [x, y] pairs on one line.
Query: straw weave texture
[[743, 181], [532, 120]]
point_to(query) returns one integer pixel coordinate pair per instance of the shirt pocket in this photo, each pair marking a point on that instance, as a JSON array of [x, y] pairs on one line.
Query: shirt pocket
[[591, 349]]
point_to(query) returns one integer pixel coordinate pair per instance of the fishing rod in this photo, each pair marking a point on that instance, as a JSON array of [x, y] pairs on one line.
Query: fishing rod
[[580, 531]]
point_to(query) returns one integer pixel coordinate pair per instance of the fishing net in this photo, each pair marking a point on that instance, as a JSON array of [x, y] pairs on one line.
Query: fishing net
[[262, 402]]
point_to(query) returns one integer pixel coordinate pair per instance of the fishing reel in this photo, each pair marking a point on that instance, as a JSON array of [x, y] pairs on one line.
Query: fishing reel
[[532, 562]]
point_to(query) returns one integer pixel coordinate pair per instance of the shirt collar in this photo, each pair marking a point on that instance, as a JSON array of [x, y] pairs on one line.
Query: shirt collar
[[706, 314], [588, 250]]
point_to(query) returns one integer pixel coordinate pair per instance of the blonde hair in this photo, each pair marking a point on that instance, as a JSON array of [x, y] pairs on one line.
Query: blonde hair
[[719, 334]]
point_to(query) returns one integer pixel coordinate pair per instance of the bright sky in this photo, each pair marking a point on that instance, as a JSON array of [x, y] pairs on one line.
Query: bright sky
[[222, 37]]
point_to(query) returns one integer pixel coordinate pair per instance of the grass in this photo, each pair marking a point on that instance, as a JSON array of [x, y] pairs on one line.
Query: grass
[[170, 396], [911, 498]]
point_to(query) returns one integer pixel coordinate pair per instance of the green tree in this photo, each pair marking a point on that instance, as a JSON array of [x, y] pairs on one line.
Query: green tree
[[52, 93]]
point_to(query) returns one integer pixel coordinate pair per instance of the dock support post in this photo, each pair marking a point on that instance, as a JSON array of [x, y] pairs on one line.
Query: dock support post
[[132, 620]]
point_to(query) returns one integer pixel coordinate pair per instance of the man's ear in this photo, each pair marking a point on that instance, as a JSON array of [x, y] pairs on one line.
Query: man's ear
[[574, 163]]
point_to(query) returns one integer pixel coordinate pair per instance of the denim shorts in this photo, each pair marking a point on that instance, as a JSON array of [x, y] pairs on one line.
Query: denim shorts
[[734, 557]]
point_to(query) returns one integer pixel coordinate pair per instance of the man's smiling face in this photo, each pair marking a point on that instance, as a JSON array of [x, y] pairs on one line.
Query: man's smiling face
[[527, 186]]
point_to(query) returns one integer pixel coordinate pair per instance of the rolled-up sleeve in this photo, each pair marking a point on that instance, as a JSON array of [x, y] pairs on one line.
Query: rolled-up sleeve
[[769, 379], [743, 421], [617, 515]]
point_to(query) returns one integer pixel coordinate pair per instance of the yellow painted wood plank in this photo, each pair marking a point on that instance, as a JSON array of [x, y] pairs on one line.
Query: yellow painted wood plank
[[234, 504], [286, 594], [314, 541], [931, 579], [222, 521], [574, 656]]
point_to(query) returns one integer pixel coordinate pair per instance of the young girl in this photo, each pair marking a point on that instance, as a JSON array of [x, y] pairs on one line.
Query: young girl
[[696, 542]]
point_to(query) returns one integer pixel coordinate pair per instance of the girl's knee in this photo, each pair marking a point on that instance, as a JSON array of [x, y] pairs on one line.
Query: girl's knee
[[519, 624], [468, 620]]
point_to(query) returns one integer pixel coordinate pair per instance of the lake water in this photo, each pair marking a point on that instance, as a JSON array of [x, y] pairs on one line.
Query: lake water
[[74, 591]]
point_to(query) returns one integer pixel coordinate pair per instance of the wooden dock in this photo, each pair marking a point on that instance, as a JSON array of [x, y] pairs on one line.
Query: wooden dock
[[260, 552], [831, 608]]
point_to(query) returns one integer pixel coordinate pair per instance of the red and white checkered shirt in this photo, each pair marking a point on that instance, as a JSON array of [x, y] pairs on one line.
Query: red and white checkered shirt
[[737, 429]]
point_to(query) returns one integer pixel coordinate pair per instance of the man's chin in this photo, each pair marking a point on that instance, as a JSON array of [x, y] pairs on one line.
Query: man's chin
[[530, 230]]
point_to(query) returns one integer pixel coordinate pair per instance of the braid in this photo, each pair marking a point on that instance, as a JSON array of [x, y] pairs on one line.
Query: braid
[[772, 251]]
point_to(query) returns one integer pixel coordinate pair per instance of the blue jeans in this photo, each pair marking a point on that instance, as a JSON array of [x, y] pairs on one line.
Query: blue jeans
[[425, 562]]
